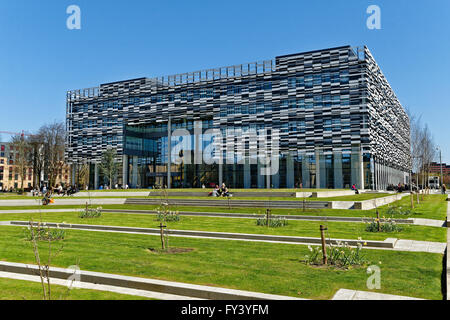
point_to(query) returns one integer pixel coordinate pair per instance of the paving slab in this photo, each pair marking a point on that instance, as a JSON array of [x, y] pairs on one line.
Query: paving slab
[[429, 222], [345, 294], [420, 246]]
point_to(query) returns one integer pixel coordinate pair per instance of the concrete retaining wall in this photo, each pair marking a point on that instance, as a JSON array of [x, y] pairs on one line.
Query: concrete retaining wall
[[257, 216], [113, 194], [329, 194], [168, 287], [378, 202]]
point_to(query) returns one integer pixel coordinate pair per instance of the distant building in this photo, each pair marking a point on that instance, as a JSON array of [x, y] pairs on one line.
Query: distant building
[[10, 178], [9, 175], [435, 168]]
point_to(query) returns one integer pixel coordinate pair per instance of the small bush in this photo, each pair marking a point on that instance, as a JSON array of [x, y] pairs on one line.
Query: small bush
[[91, 213], [171, 216], [396, 210], [45, 234], [340, 255], [273, 222], [385, 226]]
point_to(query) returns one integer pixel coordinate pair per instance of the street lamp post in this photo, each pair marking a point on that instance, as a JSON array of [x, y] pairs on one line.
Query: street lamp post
[[440, 163]]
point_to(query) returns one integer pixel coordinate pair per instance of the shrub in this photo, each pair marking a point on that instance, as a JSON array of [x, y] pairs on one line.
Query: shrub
[[396, 210], [45, 234], [91, 213], [340, 255], [386, 225], [171, 216], [273, 222]]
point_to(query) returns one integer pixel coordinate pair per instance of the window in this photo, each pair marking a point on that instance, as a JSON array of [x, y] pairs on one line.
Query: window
[[292, 83], [308, 81], [344, 77]]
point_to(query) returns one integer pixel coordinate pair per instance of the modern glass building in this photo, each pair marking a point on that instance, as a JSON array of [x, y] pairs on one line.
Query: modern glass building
[[325, 118]]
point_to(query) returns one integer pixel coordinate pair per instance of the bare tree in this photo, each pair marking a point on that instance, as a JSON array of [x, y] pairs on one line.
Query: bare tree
[[53, 149], [22, 158], [109, 165], [82, 175], [36, 157]]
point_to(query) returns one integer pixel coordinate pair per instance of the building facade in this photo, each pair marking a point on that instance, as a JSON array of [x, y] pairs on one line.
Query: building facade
[[435, 168], [325, 119], [10, 178]]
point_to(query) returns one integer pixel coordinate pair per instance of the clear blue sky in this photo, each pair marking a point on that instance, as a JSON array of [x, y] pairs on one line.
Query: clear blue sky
[[40, 59]]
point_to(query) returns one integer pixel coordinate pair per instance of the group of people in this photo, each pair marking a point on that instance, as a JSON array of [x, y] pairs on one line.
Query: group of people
[[59, 190], [220, 191]]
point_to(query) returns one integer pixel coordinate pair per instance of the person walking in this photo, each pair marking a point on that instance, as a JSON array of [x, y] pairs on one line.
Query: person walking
[[444, 189]]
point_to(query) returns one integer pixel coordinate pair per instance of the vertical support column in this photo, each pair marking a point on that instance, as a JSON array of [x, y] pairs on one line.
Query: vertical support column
[[247, 176], [275, 183], [290, 171], [169, 153], [338, 180], [305, 172], [361, 170], [356, 164], [96, 176], [323, 171], [318, 173], [124, 170], [134, 173]]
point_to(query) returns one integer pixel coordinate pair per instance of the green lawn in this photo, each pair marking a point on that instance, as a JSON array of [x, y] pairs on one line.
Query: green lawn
[[28, 290], [340, 230], [262, 267]]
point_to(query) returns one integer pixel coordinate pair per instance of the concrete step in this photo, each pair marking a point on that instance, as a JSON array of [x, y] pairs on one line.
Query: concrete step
[[290, 204]]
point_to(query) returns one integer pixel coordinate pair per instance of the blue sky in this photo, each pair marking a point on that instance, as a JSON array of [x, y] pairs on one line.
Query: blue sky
[[40, 59]]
